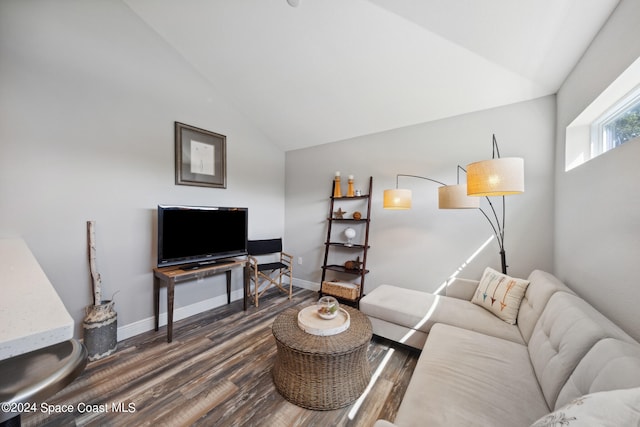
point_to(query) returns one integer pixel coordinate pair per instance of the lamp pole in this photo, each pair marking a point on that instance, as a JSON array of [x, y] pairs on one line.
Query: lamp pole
[[498, 230], [495, 177], [417, 176], [497, 227]]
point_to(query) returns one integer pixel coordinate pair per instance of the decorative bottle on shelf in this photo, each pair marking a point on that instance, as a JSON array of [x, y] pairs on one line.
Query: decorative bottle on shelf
[[337, 192], [350, 187]]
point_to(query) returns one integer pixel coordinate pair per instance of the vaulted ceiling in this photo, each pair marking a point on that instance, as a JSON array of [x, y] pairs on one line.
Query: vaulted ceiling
[[329, 70]]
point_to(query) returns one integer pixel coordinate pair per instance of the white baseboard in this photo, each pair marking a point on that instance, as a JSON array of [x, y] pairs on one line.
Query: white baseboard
[[305, 284], [148, 324]]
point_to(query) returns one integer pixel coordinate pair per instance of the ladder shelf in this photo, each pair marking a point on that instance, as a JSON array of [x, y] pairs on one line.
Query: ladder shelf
[[349, 290]]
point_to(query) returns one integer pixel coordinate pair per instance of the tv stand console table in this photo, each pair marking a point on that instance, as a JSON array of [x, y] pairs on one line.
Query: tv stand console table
[[169, 276]]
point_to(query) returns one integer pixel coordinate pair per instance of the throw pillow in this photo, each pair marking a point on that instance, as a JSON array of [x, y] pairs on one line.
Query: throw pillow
[[606, 408], [500, 294]]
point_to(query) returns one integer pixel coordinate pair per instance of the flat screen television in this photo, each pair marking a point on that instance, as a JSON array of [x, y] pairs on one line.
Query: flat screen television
[[195, 236]]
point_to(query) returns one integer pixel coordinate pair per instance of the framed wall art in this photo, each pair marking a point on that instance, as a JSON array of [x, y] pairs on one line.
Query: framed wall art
[[201, 157]]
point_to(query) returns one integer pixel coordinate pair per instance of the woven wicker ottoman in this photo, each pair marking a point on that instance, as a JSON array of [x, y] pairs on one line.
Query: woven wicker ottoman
[[321, 372]]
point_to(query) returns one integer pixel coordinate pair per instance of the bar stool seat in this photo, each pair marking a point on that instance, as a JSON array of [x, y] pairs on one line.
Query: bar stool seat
[[33, 377]]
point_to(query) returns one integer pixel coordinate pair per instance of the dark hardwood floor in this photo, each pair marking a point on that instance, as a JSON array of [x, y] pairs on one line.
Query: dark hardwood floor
[[216, 372]]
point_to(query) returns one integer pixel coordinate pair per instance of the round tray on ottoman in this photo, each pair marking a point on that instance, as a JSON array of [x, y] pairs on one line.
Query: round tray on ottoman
[[310, 321], [321, 372]]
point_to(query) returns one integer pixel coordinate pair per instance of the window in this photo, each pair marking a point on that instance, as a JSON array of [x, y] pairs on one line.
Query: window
[[617, 126], [612, 119]]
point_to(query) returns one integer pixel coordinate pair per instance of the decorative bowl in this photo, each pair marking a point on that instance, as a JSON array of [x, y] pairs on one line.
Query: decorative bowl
[[327, 307]]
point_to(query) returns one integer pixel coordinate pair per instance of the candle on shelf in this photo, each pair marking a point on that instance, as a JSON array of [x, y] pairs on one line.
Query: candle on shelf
[[350, 187], [337, 192]]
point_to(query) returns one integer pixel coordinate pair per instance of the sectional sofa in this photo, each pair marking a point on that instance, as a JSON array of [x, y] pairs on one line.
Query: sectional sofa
[[553, 361]]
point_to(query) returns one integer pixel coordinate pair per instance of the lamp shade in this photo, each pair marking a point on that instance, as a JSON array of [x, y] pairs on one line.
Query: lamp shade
[[397, 199], [496, 177], [455, 197]]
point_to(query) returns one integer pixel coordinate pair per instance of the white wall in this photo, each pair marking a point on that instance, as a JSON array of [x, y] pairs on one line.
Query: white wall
[[597, 243], [422, 247], [88, 98]]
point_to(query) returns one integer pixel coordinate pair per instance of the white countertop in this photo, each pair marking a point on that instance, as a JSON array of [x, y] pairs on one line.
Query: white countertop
[[32, 316]]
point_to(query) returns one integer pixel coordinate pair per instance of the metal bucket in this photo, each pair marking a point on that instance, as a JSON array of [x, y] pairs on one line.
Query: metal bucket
[[100, 330]]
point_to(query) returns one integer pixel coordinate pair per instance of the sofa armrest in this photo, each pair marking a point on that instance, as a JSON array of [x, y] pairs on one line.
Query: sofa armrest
[[461, 288], [384, 423]]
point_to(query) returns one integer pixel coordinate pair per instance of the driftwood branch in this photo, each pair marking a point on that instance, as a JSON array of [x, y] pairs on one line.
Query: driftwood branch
[[95, 276]]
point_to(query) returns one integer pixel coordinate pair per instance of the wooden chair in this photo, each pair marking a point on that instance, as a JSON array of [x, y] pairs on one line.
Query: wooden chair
[[265, 270]]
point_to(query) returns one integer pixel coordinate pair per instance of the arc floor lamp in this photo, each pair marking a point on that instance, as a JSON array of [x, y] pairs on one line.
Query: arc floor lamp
[[486, 178]]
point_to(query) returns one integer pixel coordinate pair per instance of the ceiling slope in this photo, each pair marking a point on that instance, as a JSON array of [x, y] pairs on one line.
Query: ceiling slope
[[329, 70]]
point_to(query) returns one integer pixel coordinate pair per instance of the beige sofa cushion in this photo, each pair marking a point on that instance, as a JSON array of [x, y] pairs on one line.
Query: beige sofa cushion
[[611, 364], [465, 378], [461, 288], [568, 328], [420, 311], [500, 294], [397, 333], [542, 286]]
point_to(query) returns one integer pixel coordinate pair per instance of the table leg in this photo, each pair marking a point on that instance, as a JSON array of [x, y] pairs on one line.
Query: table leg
[[170, 288], [245, 286], [156, 301], [228, 274]]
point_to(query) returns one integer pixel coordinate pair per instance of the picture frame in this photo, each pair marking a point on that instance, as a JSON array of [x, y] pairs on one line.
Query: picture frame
[[201, 157]]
